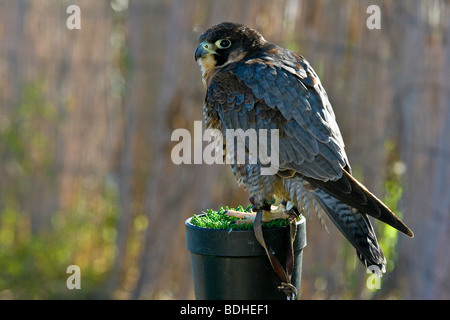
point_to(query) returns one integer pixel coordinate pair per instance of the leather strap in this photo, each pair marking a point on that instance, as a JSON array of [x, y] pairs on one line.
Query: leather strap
[[284, 274]]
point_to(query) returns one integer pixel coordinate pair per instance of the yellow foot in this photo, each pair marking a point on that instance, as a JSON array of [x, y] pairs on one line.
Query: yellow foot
[[276, 212], [246, 217]]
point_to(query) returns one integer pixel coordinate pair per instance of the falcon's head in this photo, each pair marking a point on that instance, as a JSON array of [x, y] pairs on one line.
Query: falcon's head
[[225, 43]]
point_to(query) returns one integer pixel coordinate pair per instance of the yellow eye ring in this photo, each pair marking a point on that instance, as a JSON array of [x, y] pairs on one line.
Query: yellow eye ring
[[223, 43]]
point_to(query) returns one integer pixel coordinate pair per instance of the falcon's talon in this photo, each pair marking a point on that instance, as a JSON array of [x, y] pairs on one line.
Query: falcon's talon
[[282, 211], [241, 215], [275, 212]]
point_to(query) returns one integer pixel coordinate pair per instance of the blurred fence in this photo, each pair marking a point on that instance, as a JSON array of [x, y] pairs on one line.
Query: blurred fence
[[85, 123]]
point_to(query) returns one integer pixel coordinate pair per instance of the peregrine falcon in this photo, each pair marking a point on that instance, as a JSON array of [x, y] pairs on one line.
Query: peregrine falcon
[[254, 84]]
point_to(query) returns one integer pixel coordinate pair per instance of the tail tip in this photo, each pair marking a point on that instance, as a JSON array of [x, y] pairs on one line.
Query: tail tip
[[410, 233]]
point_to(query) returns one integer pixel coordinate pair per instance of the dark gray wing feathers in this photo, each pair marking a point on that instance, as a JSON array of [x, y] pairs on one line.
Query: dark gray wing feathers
[[308, 143]]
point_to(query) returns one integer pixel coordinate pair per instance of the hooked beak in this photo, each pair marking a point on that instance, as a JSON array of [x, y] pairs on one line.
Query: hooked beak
[[204, 49]]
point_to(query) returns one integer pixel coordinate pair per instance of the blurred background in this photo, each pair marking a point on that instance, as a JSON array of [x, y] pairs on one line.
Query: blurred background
[[86, 118]]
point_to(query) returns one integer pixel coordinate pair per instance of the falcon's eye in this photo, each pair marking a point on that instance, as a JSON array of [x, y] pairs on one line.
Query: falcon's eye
[[223, 43]]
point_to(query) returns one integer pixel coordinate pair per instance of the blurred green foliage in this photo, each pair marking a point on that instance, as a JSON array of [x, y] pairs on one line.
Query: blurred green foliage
[[33, 263], [393, 192]]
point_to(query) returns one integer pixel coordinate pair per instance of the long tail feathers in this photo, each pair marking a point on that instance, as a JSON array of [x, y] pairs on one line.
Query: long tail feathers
[[348, 190], [356, 228], [347, 203]]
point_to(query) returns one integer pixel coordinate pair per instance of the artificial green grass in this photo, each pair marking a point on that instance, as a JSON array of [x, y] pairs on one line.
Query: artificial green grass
[[213, 219]]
